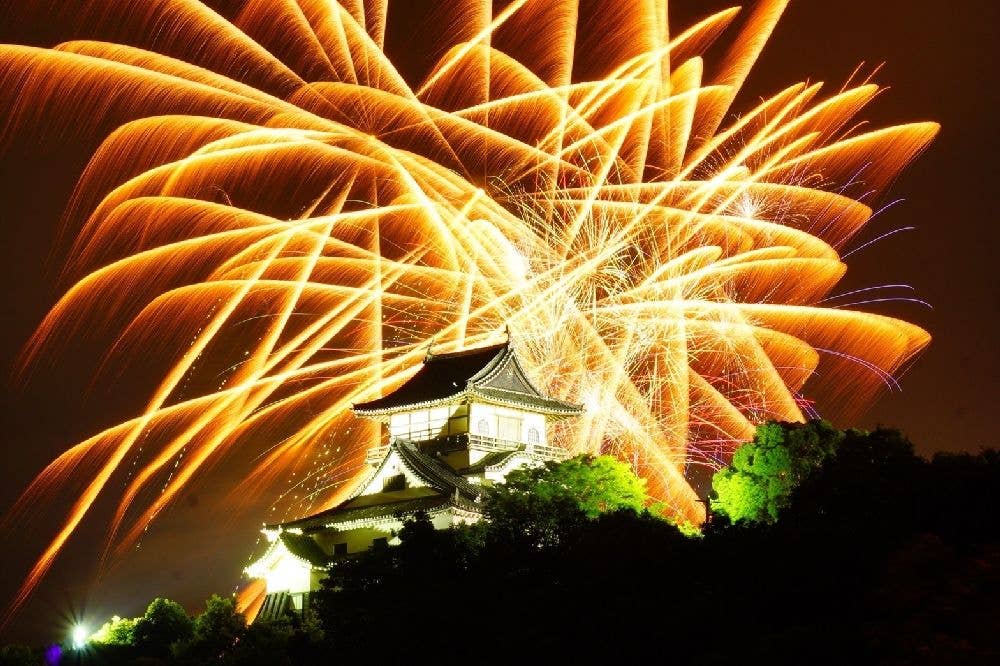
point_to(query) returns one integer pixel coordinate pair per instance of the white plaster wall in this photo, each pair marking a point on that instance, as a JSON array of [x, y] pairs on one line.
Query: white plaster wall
[[399, 424], [392, 467], [473, 456], [288, 574], [423, 424], [536, 421], [491, 413], [497, 476]]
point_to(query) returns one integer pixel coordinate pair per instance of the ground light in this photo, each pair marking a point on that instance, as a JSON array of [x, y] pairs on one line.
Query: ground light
[[79, 636]]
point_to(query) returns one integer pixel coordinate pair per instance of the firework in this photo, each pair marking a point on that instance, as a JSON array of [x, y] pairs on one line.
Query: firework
[[278, 220]]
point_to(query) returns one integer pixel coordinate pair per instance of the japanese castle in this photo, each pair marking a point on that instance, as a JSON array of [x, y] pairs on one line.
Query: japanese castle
[[463, 421]]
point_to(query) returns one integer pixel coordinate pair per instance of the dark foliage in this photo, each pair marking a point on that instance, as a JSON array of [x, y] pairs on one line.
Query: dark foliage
[[217, 631], [19, 655], [165, 623], [877, 557]]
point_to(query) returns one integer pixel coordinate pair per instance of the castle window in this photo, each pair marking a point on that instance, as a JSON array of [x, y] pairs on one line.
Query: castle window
[[509, 428], [532, 435], [483, 427], [340, 549], [380, 543], [397, 482]]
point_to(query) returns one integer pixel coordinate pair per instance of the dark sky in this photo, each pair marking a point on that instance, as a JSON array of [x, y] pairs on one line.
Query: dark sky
[[940, 64]]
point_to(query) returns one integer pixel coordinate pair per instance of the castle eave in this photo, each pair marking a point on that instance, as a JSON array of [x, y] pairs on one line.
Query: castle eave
[[347, 517]]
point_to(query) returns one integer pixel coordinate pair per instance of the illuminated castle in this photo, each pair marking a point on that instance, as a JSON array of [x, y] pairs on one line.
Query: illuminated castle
[[463, 421]]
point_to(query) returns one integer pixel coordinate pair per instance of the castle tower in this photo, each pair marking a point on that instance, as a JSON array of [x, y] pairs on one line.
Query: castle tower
[[463, 421]]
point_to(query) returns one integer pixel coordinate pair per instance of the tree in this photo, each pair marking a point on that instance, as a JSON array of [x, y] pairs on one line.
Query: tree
[[215, 631], [595, 484], [264, 643], [538, 506], [164, 623], [875, 484], [764, 472], [219, 622], [18, 655], [116, 631]]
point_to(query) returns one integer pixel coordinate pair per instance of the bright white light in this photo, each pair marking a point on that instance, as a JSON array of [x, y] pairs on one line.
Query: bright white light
[[591, 402], [515, 262], [746, 206], [79, 636]]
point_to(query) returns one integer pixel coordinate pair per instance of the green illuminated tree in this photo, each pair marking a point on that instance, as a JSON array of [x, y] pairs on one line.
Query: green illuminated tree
[[116, 631], [596, 484], [763, 473], [538, 506]]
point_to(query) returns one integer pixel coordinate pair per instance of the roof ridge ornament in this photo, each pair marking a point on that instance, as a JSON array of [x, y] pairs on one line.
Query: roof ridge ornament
[[429, 355]]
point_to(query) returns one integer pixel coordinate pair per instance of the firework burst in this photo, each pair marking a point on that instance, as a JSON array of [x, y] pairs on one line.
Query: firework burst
[[278, 220]]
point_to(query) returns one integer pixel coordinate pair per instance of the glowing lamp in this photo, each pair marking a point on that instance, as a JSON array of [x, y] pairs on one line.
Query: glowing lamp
[[79, 636]]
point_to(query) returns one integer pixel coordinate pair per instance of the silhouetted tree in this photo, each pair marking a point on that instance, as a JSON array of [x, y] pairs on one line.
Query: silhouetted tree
[[966, 496], [164, 623], [215, 631], [874, 489], [18, 655], [533, 544], [265, 644], [875, 556]]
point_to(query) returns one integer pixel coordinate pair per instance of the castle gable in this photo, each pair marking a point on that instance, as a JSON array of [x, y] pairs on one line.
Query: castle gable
[[507, 376], [387, 475], [485, 373]]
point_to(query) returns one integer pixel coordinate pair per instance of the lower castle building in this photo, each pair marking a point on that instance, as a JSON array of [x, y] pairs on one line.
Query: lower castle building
[[462, 422]]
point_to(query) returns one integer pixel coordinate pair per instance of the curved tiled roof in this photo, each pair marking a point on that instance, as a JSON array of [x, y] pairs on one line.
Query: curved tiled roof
[[442, 376], [495, 459], [342, 514], [449, 488], [434, 472], [473, 372], [517, 399], [305, 547]]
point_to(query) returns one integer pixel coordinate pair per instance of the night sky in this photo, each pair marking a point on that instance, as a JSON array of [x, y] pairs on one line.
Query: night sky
[[940, 64]]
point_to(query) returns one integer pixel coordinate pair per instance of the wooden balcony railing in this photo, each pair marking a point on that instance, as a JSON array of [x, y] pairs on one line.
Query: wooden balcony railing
[[483, 443]]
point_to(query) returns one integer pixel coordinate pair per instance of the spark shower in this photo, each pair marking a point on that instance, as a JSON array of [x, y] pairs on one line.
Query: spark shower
[[280, 219]]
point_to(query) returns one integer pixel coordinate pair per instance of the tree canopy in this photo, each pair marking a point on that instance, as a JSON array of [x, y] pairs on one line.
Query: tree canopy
[[596, 484], [116, 631], [760, 480], [536, 506], [215, 630], [164, 623]]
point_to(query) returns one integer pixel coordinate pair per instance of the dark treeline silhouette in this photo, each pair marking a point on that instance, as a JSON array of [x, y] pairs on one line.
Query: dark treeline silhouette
[[847, 548], [876, 556]]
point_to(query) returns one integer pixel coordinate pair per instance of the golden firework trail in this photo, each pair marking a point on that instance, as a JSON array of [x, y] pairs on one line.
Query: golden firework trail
[[280, 219]]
